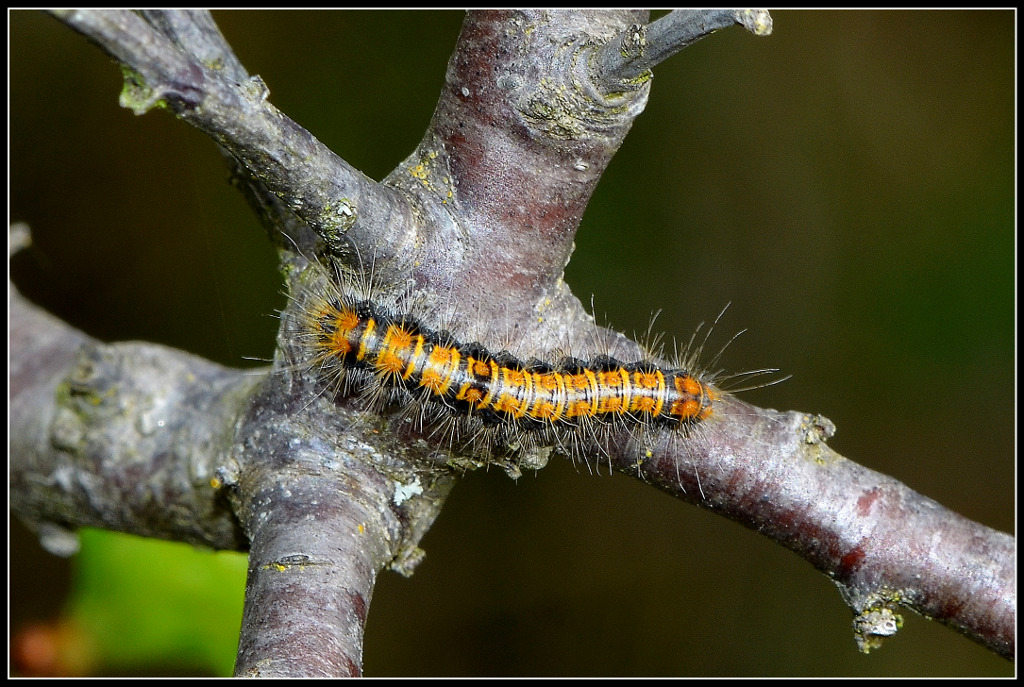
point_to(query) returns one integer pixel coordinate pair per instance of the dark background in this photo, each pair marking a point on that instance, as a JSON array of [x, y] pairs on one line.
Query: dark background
[[847, 184]]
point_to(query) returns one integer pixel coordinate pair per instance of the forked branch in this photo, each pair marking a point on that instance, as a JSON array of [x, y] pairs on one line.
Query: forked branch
[[484, 211]]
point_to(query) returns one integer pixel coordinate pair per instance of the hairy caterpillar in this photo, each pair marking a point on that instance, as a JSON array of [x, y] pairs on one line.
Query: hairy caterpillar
[[361, 339]]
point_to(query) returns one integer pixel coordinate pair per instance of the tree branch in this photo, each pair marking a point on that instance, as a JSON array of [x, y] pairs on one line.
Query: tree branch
[[883, 544], [624, 62], [321, 188], [101, 434], [483, 212]]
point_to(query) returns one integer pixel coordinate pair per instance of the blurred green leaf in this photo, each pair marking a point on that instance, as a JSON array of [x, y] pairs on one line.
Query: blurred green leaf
[[144, 602]]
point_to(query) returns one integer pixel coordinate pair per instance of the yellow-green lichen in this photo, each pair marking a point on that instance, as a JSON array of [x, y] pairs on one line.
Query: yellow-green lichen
[[136, 94], [879, 619], [426, 173]]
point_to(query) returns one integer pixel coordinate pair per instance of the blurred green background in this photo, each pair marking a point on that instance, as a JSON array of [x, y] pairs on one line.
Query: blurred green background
[[847, 184]]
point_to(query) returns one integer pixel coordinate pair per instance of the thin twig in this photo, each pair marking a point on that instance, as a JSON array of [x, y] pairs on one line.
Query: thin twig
[[629, 57]]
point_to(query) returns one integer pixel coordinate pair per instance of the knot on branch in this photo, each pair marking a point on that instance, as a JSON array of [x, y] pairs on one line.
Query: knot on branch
[[569, 104]]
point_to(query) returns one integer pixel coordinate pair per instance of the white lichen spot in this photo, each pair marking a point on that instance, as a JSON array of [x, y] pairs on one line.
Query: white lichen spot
[[150, 422], [152, 419], [57, 539], [404, 492]]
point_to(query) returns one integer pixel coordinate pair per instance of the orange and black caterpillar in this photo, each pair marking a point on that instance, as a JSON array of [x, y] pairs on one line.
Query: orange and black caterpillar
[[488, 400], [499, 388]]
